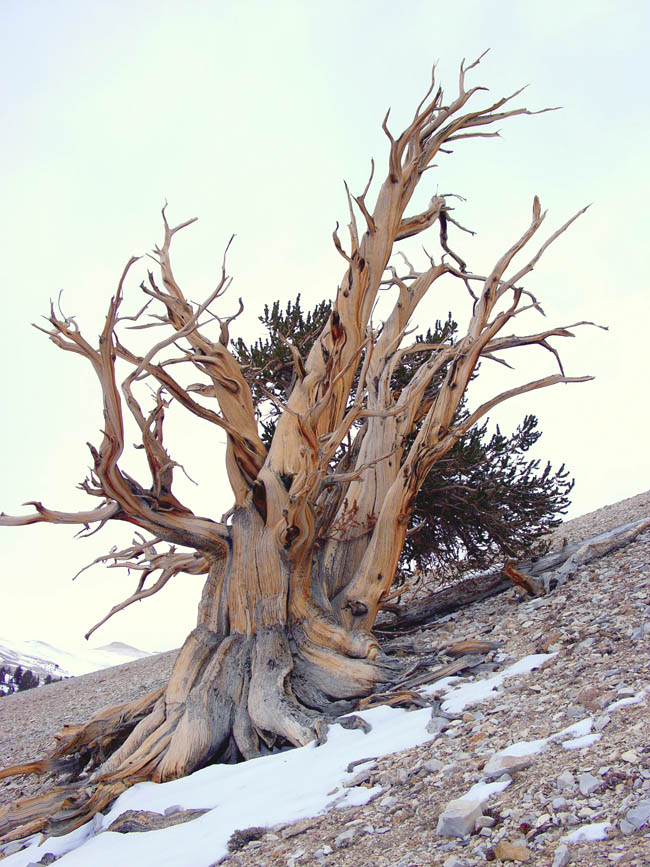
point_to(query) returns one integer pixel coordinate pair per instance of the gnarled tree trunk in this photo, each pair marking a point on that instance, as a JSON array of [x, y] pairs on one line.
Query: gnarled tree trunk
[[299, 569]]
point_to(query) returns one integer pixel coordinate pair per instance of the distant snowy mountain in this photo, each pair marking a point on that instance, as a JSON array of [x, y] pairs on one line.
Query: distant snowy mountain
[[43, 658]]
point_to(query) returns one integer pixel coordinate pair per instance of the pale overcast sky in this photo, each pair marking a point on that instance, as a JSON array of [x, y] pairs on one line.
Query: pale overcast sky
[[249, 115]]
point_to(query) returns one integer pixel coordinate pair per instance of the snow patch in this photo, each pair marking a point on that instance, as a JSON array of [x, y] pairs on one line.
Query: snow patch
[[281, 787], [458, 698], [595, 831], [580, 743], [624, 702], [482, 791], [524, 748], [576, 730]]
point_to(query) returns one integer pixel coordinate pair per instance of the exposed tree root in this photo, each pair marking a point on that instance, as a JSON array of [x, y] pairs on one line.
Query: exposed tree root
[[227, 699]]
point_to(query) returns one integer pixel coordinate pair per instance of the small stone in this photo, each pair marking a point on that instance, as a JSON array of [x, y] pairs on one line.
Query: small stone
[[601, 722], [626, 827], [500, 764], [13, 847], [175, 808], [485, 822], [358, 779], [559, 803], [452, 861], [630, 756], [433, 765], [625, 691], [561, 856], [458, 818], [588, 783], [575, 711], [639, 815], [296, 828], [437, 724], [512, 851], [566, 781], [343, 840], [485, 832]]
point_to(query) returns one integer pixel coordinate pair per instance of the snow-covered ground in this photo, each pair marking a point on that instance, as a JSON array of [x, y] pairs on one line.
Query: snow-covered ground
[[278, 788], [75, 659], [290, 785]]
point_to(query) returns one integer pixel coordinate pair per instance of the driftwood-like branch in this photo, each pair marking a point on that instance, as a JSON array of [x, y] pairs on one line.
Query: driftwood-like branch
[[50, 516], [143, 557], [246, 452], [154, 509]]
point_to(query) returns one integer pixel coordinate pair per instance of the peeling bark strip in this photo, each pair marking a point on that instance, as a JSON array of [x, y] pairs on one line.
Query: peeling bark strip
[[300, 567]]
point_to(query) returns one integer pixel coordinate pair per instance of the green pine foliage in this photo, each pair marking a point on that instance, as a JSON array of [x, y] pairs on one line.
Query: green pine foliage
[[268, 364], [485, 501]]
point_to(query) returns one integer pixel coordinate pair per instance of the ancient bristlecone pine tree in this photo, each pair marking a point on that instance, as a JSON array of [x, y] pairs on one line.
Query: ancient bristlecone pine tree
[[299, 568]]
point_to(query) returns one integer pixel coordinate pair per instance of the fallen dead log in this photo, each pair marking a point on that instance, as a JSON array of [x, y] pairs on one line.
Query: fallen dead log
[[537, 578]]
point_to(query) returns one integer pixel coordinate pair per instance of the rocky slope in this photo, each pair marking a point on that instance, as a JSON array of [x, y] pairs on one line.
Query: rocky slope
[[598, 628]]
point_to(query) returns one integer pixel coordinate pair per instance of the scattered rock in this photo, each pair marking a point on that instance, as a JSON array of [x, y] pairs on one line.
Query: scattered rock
[[644, 629], [638, 816], [458, 818], [566, 781], [345, 839], [485, 822], [561, 856], [297, 828], [506, 851], [626, 828], [437, 724], [500, 764], [452, 861], [631, 757], [587, 783]]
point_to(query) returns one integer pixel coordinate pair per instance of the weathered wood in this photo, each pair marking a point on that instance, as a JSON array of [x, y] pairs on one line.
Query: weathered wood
[[301, 566], [546, 572]]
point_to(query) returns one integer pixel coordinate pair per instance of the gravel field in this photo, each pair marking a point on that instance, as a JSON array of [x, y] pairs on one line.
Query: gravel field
[[598, 625]]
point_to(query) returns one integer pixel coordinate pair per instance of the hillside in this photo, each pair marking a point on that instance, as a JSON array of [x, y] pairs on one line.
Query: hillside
[[591, 642], [43, 658]]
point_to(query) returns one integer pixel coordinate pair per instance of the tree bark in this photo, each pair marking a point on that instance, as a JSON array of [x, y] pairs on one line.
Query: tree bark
[[301, 566]]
